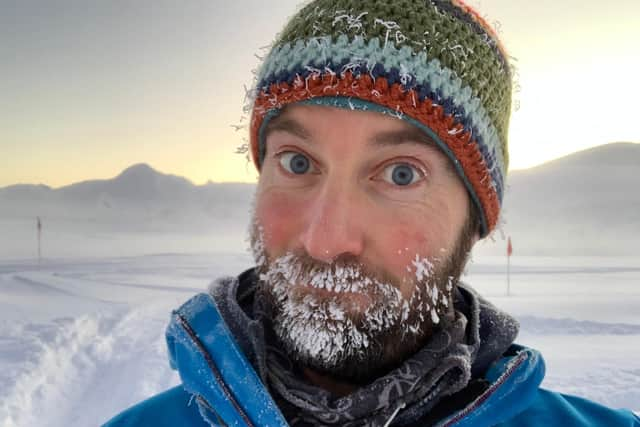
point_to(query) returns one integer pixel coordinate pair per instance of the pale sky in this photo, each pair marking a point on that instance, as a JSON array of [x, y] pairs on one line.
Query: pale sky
[[88, 88]]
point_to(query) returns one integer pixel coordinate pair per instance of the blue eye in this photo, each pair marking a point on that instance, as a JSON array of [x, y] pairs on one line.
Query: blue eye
[[295, 163], [401, 174]]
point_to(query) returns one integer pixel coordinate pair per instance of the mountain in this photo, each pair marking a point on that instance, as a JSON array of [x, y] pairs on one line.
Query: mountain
[[24, 192], [138, 182], [613, 154], [140, 211], [584, 203], [140, 197]]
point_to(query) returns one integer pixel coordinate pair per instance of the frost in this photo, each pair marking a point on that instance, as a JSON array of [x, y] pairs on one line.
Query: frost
[[349, 309], [389, 25], [445, 301], [423, 268], [434, 316], [450, 284], [257, 247], [405, 75], [353, 22]]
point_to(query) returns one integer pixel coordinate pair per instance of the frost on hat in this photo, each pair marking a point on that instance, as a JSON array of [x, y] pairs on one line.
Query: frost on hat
[[436, 64]]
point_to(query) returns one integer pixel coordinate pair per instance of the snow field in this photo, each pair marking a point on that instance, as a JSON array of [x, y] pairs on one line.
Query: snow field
[[81, 339], [81, 369]]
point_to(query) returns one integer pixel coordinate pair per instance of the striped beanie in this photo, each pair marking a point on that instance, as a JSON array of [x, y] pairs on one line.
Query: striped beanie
[[434, 63]]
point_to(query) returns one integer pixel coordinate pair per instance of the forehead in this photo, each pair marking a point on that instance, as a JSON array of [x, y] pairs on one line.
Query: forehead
[[314, 118]]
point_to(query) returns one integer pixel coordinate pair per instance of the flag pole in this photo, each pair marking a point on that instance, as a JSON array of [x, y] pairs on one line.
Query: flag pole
[[509, 252], [39, 240], [508, 275]]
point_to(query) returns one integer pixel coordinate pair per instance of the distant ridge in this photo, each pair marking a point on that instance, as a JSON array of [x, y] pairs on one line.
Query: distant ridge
[[613, 154], [139, 198], [27, 189], [135, 172], [139, 181], [138, 169], [584, 203]]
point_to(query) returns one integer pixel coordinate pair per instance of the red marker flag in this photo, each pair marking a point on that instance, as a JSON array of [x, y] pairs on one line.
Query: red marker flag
[[509, 247]]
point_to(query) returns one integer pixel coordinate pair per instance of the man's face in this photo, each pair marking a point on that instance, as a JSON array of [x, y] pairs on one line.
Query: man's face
[[360, 231]]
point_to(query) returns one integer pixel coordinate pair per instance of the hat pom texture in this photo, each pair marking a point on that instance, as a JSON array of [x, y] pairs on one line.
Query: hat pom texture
[[434, 63]]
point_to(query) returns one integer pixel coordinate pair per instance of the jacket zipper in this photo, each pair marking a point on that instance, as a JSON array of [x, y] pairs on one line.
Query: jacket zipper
[[521, 358], [214, 370]]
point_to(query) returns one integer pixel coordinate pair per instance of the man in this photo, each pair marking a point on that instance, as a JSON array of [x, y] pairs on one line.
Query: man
[[380, 132]]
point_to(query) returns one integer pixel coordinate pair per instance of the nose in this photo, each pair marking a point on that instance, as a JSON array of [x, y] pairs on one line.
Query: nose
[[333, 227]]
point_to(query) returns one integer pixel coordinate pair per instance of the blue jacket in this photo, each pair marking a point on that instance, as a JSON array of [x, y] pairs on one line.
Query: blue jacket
[[220, 387]]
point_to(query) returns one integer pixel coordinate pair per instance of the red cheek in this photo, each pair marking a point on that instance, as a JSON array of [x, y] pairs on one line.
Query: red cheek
[[402, 245], [278, 216]]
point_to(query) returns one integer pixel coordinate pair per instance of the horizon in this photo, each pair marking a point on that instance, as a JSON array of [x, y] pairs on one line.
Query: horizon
[[162, 172], [169, 173], [164, 84]]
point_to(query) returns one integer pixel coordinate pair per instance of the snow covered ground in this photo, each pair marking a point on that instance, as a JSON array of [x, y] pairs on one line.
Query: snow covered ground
[[81, 339]]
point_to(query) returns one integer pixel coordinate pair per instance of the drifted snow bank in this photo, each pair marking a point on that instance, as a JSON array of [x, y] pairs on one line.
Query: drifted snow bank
[[78, 371]]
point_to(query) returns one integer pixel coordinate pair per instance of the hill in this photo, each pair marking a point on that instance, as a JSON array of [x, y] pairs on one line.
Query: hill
[[584, 203], [139, 211]]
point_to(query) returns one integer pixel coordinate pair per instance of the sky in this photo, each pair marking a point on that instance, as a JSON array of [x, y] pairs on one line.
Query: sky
[[88, 88]]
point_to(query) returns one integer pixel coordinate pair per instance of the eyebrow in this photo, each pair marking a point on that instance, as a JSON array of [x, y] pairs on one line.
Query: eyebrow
[[386, 138], [403, 136], [411, 136], [285, 124]]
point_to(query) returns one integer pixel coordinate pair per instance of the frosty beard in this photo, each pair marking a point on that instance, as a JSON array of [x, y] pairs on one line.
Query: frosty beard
[[348, 321]]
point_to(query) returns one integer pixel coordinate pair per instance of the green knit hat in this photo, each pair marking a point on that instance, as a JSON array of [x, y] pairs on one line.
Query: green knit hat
[[434, 63]]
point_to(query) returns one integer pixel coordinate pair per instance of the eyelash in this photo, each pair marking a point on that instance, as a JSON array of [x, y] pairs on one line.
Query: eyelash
[[279, 155], [422, 172]]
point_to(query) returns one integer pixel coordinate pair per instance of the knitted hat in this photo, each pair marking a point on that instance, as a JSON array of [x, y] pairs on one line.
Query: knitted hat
[[434, 63]]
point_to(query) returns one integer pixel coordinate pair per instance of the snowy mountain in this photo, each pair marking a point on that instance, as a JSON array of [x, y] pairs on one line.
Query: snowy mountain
[[137, 212], [136, 183], [585, 203], [581, 204], [140, 194]]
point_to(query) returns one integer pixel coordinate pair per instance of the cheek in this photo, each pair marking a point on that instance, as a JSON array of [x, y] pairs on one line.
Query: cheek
[[275, 213], [401, 246]]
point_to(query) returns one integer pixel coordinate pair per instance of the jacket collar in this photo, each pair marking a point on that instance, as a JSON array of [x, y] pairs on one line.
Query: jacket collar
[[214, 367]]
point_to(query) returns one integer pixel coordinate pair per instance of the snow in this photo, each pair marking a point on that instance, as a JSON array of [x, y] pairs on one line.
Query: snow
[[82, 334], [81, 339], [581, 313]]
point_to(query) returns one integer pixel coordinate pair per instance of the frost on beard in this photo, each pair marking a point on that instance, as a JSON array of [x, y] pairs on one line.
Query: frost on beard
[[319, 323]]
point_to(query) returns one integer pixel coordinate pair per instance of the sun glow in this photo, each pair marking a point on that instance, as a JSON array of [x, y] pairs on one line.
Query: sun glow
[[572, 106]]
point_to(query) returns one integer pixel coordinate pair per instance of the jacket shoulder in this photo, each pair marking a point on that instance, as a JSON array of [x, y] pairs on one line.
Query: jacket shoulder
[[173, 407], [550, 408]]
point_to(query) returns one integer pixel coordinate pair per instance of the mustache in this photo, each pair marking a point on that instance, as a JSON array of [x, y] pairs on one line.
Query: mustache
[[346, 273]]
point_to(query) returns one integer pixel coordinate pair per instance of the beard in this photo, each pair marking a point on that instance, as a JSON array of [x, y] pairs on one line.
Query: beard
[[349, 320]]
